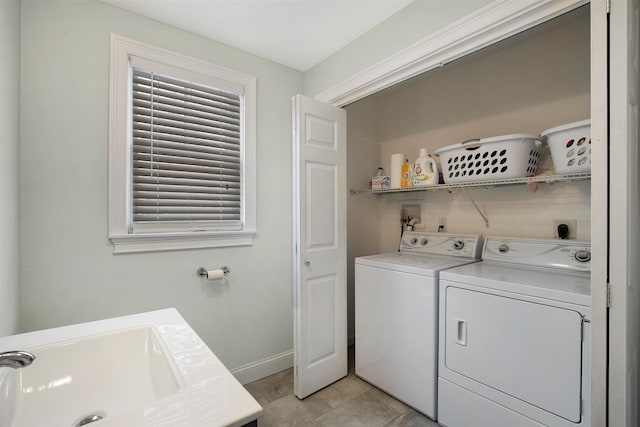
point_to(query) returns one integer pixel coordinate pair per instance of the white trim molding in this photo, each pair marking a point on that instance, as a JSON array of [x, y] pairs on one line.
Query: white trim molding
[[497, 21], [128, 243], [263, 368]]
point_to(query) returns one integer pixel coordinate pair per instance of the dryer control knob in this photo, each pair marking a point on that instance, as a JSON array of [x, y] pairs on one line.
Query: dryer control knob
[[583, 256], [424, 241], [414, 241], [458, 244], [503, 249]]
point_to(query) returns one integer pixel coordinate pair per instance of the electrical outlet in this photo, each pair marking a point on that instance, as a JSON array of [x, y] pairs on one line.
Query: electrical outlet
[[442, 224], [571, 223]]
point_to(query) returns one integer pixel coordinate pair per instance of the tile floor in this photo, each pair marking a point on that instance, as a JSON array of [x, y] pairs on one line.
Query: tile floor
[[349, 402]]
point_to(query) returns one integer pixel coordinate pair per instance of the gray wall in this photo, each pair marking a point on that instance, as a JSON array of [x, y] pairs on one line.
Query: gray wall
[[363, 155], [411, 24], [69, 273], [9, 138]]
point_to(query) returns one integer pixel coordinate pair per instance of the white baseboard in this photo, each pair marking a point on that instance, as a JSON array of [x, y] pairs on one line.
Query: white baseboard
[[271, 365], [263, 368]]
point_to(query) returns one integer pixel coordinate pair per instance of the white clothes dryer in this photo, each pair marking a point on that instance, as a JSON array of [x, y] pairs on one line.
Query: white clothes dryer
[[396, 314], [515, 336]]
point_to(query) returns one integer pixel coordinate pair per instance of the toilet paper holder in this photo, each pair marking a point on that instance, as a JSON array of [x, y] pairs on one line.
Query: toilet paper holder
[[202, 272]]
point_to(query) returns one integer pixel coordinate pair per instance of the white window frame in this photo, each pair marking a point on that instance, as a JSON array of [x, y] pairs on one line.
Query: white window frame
[[120, 154]]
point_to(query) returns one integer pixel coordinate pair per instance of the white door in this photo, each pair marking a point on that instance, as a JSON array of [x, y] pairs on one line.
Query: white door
[[320, 239], [624, 213]]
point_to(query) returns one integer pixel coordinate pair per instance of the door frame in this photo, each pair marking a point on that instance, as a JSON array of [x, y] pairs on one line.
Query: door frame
[[599, 213], [624, 209], [482, 28]]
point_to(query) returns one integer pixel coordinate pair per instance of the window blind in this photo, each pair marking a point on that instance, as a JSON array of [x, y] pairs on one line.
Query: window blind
[[186, 153]]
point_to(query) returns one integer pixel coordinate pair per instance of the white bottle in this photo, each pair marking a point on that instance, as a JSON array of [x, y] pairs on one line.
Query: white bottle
[[425, 170]]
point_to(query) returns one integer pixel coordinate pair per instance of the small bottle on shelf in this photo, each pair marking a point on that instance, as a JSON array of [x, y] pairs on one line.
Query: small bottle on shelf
[[380, 181]]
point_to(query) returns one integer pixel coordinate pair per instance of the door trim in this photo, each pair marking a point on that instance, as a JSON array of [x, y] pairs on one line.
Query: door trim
[[497, 21], [599, 212]]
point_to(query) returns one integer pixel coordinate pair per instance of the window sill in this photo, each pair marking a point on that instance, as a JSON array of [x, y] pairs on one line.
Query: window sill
[[129, 243]]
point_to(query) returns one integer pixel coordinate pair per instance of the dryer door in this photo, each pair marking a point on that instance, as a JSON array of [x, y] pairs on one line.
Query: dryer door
[[527, 350]]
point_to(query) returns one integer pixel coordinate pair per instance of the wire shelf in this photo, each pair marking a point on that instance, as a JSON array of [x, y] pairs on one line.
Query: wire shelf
[[548, 179]]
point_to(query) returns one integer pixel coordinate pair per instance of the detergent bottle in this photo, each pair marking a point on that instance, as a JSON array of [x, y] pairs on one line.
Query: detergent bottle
[[406, 180], [425, 170]]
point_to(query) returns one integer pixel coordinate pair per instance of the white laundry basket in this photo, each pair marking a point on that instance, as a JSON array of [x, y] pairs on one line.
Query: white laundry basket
[[570, 147], [499, 157]]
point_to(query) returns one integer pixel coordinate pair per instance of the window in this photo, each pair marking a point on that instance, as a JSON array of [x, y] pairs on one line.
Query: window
[[182, 151]]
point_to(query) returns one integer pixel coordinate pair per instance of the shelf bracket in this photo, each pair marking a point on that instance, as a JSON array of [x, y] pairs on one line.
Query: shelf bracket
[[486, 221]]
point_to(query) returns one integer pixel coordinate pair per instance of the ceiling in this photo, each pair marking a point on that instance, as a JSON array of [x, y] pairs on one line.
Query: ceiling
[[295, 33]]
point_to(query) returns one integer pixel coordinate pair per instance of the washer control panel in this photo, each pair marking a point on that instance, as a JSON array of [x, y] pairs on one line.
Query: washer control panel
[[569, 255], [464, 245]]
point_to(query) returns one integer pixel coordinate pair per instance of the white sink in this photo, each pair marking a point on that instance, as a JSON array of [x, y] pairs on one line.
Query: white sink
[[146, 369], [101, 375]]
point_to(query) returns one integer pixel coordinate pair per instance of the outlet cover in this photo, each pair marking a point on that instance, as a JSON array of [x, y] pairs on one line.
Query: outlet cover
[[571, 223]]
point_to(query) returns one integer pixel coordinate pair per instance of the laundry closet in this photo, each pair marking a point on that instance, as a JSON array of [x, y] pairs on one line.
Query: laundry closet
[[580, 65], [526, 84]]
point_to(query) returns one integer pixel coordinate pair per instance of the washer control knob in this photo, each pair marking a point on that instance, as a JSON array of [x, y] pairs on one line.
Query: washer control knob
[[503, 249], [424, 241], [414, 241], [458, 244], [583, 256]]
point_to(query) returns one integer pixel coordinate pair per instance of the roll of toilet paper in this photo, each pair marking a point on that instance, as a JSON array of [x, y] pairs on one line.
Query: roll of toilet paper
[[215, 274], [397, 160]]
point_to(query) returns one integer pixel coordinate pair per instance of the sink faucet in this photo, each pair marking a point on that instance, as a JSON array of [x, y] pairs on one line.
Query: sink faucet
[[16, 359]]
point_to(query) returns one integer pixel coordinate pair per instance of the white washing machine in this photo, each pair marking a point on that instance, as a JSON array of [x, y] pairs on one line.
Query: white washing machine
[[515, 336], [396, 314]]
